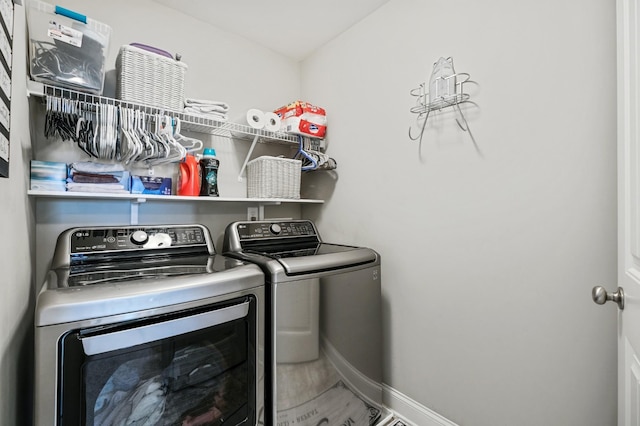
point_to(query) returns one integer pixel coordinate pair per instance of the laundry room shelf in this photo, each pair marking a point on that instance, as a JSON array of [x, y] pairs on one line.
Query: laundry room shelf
[[141, 198], [189, 122]]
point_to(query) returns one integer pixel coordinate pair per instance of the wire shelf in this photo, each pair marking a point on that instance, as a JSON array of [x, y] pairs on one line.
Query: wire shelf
[[189, 122]]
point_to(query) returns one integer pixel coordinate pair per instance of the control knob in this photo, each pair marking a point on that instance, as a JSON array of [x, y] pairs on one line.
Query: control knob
[[139, 237], [275, 229]]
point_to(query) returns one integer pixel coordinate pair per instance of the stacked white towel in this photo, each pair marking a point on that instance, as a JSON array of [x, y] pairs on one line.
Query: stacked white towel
[[211, 109]]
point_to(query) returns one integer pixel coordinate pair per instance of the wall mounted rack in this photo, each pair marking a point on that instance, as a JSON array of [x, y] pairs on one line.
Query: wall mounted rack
[[445, 89], [189, 122]]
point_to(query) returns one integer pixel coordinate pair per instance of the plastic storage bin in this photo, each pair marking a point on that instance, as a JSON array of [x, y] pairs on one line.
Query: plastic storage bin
[[149, 78], [273, 177], [66, 48]]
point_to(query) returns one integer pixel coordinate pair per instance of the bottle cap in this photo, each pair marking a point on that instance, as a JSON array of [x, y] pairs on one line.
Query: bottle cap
[[209, 151]]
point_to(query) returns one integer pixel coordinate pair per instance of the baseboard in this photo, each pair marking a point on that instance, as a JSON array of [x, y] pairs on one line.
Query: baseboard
[[410, 411]]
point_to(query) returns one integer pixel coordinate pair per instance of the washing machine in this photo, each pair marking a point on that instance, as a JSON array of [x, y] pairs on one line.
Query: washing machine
[[323, 344], [148, 325]]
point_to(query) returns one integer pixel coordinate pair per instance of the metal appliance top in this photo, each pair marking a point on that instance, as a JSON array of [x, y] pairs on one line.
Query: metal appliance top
[[135, 268], [293, 246]]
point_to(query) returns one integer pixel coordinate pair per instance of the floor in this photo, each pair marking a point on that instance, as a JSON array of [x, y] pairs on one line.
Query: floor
[[313, 393], [299, 383]]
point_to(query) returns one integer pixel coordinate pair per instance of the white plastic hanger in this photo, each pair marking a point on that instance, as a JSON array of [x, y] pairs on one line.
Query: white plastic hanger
[[190, 144]]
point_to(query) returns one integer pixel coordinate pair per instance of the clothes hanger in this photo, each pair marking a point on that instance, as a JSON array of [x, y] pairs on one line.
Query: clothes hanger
[[171, 150], [308, 161], [144, 147], [84, 127], [191, 144], [126, 127], [178, 151]]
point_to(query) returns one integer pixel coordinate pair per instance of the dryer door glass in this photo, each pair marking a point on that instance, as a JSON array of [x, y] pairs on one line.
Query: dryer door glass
[[191, 367]]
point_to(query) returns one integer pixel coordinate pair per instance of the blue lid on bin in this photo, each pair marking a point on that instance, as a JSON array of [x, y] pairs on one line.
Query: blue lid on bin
[[71, 14], [209, 151]]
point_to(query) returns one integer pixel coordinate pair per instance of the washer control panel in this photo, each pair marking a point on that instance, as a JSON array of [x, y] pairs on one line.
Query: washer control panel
[[99, 240], [278, 229]]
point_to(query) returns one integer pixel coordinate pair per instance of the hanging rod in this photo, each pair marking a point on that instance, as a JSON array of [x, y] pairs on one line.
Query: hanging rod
[[190, 122]]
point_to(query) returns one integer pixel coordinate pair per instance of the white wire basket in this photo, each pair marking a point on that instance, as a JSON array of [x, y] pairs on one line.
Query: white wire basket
[[273, 177], [151, 79]]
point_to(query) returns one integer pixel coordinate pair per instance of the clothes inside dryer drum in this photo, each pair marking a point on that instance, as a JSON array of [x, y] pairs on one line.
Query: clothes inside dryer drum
[[199, 381]]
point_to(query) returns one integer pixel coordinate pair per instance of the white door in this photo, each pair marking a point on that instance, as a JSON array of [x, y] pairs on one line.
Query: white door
[[628, 293]]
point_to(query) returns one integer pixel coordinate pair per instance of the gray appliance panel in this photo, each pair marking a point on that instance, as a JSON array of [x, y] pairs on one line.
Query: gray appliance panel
[[60, 304], [117, 242]]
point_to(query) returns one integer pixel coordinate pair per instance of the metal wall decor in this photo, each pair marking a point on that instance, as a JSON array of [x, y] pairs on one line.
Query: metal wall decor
[[443, 90]]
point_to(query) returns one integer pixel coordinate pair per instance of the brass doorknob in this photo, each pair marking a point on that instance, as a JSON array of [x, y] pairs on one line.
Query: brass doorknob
[[600, 296]]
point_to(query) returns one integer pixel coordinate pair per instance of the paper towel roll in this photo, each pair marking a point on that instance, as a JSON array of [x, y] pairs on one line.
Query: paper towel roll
[[256, 118], [272, 122]]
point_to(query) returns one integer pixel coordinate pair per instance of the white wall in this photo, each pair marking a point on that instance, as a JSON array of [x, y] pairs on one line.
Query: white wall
[[488, 260], [16, 228]]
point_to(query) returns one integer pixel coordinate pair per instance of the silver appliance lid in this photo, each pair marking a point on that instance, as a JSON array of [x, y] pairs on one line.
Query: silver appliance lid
[[116, 270], [295, 245], [59, 303]]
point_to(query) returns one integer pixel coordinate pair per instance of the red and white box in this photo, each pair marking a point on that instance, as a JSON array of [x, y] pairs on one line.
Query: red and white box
[[302, 118]]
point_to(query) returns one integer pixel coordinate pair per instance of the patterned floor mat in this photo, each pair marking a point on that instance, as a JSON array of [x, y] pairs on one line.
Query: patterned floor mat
[[338, 405]]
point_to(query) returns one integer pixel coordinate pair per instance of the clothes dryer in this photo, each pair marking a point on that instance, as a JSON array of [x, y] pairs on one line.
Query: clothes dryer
[[148, 325]]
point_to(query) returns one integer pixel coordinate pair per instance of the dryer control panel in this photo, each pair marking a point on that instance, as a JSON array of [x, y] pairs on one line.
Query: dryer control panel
[[93, 240], [279, 229], [122, 242]]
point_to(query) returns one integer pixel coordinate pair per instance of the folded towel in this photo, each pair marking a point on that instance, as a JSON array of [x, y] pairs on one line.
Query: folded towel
[[81, 177], [97, 187], [97, 181], [207, 109], [212, 114], [203, 102], [210, 109]]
